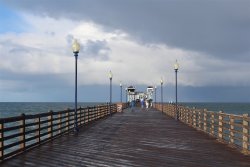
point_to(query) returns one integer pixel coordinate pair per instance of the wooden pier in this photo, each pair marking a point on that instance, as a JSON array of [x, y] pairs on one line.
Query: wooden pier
[[133, 138]]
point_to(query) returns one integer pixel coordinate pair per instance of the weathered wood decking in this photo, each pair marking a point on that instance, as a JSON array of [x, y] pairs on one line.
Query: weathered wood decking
[[139, 138]]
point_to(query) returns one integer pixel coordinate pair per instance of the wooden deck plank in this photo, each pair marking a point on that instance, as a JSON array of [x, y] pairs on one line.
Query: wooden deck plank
[[139, 138]]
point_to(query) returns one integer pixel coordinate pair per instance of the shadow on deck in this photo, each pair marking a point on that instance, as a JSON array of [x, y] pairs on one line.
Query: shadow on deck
[[139, 138]]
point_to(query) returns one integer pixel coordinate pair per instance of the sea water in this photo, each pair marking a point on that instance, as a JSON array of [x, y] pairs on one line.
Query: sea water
[[9, 109], [230, 108]]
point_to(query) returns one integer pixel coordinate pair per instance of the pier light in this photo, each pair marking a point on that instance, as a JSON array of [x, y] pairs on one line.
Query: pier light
[[76, 49], [161, 95], [121, 90], [110, 88], [110, 75], [176, 68], [75, 46]]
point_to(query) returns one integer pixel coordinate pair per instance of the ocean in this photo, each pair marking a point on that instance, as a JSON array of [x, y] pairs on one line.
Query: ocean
[[9, 109], [230, 108]]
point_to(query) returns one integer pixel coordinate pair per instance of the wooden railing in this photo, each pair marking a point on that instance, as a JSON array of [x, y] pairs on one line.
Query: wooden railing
[[227, 128], [21, 133]]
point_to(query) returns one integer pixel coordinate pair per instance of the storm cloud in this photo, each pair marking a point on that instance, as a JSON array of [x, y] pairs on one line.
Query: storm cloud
[[219, 28], [139, 40]]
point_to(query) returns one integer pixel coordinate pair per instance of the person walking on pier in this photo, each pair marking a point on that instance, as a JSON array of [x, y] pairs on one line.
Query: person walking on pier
[[147, 103], [142, 103]]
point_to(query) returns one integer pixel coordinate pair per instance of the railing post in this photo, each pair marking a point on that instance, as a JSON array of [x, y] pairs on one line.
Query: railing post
[[194, 117], [1, 140], [60, 123], [181, 113], [199, 120], [67, 115], [245, 134], [50, 124], [84, 116], [38, 131], [212, 124], [98, 114], [191, 115], [22, 131], [88, 115], [107, 109], [186, 116], [231, 129], [220, 127], [80, 117], [205, 120], [78, 112]]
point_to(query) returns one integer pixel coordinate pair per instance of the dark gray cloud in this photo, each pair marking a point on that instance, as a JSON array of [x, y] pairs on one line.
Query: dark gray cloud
[[96, 49], [219, 28]]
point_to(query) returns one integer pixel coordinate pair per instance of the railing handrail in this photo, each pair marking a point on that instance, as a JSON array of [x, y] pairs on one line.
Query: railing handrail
[[23, 132], [231, 129]]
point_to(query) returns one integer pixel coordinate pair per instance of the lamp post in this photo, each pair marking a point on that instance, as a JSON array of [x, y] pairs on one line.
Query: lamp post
[[176, 67], [110, 93], [155, 95], [126, 89], [161, 96], [121, 90], [75, 48]]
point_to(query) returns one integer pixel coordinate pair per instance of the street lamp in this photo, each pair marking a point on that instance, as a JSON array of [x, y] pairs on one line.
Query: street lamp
[[126, 89], [121, 90], [176, 67], [161, 96], [110, 95], [76, 49], [155, 95]]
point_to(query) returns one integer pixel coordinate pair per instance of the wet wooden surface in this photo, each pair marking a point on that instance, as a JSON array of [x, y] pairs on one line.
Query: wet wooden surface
[[138, 138]]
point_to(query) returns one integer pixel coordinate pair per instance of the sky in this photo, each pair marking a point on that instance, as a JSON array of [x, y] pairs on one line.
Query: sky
[[138, 40]]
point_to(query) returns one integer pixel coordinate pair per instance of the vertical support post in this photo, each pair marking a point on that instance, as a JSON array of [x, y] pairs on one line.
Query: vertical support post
[[231, 129], [59, 123], [185, 115], [98, 112], [212, 124], [161, 97], [194, 118], [121, 92], [245, 134], [205, 120], [199, 119], [101, 111], [84, 116], [220, 127], [110, 100], [80, 116], [190, 117], [88, 115], [1, 141], [75, 120], [155, 95], [38, 129], [107, 110], [50, 124], [22, 131], [67, 115], [176, 99]]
